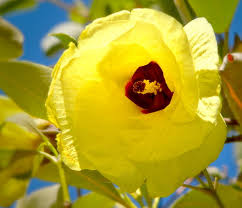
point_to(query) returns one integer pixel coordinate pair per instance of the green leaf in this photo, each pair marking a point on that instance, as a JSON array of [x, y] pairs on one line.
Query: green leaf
[[101, 8], [15, 5], [43, 198], [93, 200], [10, 156], [64, 39], [11, 190], [24, 120], [18, 137], [8, 108], [5, 158], [65, 33], [14, 174], [169, 7], [232, 85], [27, 84], [11, 41], [105, 7], [86, 179], [79, 12], [229, 196], [218, 12]]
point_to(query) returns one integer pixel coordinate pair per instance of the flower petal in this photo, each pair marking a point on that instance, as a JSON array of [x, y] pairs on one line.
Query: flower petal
[[104, 30], [203, 44], [167, 175], [176, 40]]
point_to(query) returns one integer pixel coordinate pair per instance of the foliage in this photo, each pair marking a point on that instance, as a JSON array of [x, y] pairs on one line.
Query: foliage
[[28, 142], [230, 197]]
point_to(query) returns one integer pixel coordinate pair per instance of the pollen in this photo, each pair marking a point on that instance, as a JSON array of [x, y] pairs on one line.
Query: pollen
[[146, 86]]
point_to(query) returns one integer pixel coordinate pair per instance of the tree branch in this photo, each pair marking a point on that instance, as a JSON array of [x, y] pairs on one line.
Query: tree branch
[[231, 122], [59, 3], [234, 139]]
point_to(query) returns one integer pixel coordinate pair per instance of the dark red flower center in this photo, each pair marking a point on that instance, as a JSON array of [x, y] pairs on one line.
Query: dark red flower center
[[148, 89]]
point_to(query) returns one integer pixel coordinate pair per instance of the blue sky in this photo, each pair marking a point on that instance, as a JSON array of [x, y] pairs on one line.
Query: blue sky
[[36, 23]]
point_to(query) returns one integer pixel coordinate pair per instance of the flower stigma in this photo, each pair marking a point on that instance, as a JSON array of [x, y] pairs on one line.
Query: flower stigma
[[148, 89]]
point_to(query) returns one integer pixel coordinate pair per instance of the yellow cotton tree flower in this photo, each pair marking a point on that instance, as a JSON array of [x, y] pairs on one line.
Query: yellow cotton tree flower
[[138, 100]]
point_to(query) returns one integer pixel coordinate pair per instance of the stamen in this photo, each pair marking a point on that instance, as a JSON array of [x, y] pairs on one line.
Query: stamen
[[148, 89], [146, 86]]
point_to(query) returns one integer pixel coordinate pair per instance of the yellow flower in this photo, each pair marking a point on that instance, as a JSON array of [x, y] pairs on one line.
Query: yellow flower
[[138, 100]]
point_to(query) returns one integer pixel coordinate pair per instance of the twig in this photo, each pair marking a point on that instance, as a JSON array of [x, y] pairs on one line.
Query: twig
[[79, 192], [58, 3], [215, 184], [231, 122], [201, 181], [212, 189], [204, 190], [183, 11], [234, 139]]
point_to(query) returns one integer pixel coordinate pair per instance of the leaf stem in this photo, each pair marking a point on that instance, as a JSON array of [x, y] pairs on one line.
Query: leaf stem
[[128, 203], [183, 11], [201, 181], [204, 190], [212, 189], [64, 186], [56, 159], [79, 192], [156, 202], [215, 184], [48, 156], [146, 195], [207, 176]]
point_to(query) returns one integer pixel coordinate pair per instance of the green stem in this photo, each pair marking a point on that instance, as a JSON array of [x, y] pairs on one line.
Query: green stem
[[129, 203], [146, 195], [207, 176], [226, 42], [204, 190], [79, 192], [156, 202], [218, 200], [64, 186], [183, 11], [47, 142], [201, 181], [48, 156], [215, 184], [212, 189], [139, 198]]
